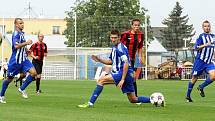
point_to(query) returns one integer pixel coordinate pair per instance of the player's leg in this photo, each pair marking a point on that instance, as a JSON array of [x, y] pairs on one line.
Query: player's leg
[[29, 78], [5, 84], [5, 74], [38, 66], [105, 71], [27, 67], [38, 79], [198, 68], [128, 88], [13, 69], [190, 88], [108, 79], [211, 71], [141, 99], [134, 83], [22, 75]]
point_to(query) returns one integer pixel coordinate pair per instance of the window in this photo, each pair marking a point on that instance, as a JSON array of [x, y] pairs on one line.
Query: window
[[56, 30]]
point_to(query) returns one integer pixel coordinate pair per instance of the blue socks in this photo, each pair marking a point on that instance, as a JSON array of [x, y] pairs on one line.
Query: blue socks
[[143, 99], [205, 83], [190, 88], [28, 80], [4, 87], [96, 93]]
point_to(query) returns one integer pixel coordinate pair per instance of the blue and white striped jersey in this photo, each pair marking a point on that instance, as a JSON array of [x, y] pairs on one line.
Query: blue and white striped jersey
[[18, 55], [206, 53], [119, 55]]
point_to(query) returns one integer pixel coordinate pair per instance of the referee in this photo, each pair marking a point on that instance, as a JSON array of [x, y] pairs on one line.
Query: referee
[[38, 52]]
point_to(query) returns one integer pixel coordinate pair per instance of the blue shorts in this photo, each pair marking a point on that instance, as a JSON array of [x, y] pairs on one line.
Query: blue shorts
[[128, 86], [14, 68], [200, 66]]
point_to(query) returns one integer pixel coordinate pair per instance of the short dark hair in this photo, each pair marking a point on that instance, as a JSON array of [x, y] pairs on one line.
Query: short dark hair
[[206, 21], [136, 19], [16, 19], [115, 32]]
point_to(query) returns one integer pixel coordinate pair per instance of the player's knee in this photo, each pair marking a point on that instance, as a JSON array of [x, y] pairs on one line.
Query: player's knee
[[39, 76], [22, 75], [34, 74], [212, 78], [100, 81], [194, 79], [132, 100]]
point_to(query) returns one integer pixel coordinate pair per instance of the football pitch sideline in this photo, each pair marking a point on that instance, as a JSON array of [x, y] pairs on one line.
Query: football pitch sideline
[[59, 99]]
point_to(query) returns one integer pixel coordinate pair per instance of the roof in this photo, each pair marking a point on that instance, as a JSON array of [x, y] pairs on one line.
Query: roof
[[156, 47], [157, 31], [52, 41]]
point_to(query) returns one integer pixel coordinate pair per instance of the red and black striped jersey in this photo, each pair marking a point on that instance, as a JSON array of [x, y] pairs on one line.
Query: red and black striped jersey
[[133, 42], [39, 49]]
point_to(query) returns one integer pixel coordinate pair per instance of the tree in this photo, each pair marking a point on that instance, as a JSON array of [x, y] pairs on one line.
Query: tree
[[96, 18], [177, 29]]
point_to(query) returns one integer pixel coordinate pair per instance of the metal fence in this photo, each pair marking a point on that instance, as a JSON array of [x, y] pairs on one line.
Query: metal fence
[[60, 63], [86, 69]]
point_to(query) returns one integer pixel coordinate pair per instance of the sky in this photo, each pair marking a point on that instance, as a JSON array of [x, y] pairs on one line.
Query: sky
[[197, 10]]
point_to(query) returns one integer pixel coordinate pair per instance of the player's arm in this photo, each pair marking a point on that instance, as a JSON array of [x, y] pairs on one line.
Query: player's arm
[[104, 61], [140, 55], [124, 73], [20, 45], [199, 44], [32, 55], [124, 58], [45, 51], [45, 54], [31, 51], [139, 51], [28, 51], [202, 46]]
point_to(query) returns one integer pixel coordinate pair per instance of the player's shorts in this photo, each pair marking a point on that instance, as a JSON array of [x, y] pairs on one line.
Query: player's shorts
[[14, 68], [128, 86], [38, 65], [200, 66]]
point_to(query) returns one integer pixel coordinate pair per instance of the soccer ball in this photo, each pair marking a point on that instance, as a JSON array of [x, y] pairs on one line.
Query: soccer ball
[[157, 99]]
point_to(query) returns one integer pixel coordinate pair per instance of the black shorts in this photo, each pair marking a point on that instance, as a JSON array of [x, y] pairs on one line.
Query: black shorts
[[38, 65], [132, 65]]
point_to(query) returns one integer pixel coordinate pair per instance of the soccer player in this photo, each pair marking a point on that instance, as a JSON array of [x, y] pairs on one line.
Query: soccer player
[[38, 52], [121, 74], [18, 61], [203, 61], [133, 39]]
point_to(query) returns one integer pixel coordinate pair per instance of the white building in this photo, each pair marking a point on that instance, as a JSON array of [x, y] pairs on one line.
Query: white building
[[155, 50]]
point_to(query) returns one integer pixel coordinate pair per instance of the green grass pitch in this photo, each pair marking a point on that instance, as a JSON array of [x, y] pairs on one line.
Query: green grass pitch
[[60, 99]]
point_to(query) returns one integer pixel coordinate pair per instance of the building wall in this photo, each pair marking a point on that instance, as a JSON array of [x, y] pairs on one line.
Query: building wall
[[33, 26], [154, 59], [6, 49]]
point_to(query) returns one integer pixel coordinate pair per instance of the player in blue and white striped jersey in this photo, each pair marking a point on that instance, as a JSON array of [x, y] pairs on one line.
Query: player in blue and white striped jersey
[[18, 62], [121, 75], [203, 61]]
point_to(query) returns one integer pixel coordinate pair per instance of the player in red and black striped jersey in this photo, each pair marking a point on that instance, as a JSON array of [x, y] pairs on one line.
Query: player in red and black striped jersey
[[38, 52], [133, 39]]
